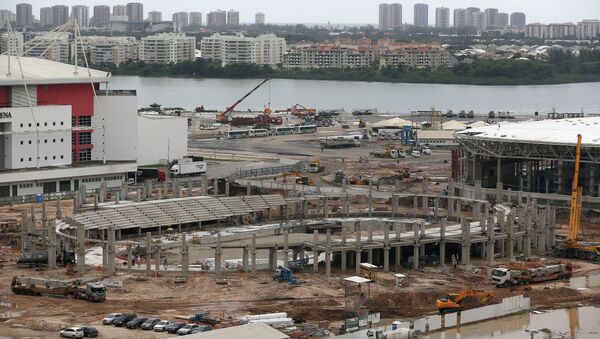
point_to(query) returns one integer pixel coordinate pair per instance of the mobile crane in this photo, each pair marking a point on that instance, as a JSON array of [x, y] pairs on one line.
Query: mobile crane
[[224, 116], [572, 247]]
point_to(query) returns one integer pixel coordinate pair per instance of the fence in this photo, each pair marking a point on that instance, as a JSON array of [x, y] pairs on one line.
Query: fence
[[259, 172], [587, 281]]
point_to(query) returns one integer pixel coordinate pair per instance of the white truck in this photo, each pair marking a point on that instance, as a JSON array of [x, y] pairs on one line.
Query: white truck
[[188, 167], [503, 277]]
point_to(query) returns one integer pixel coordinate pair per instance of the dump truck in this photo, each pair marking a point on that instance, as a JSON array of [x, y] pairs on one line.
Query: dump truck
[[75, 289], [466, 299], [316, 167], [503, 277], [188, 166]]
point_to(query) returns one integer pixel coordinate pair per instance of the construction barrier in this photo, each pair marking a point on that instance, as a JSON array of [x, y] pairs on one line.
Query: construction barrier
[[586, 281]]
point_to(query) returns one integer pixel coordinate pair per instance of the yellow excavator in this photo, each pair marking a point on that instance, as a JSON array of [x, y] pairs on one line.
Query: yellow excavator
[[466, 299], [572, 247]]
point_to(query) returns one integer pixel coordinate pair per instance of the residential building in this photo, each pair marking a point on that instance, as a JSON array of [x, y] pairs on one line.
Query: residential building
[[109, 50], [259, 18], [266, 49], [180, 21], [423, 57], [442, 18], [195, 19], [167, 48], [490, 17], [135, 11], [460, 18], [233, 18], [517, 20], [325, 56], [53, 46], [46, 16], [551, 31], [155, 16], [588, 29], [60, 15], [536, 31], [479, 21], [24, 15], [11, 43], [421, 15], [390, 16], [101, 15], [216, 18], [502, 20], [119, 10], [81, 15], [6, 15], [470, 17]]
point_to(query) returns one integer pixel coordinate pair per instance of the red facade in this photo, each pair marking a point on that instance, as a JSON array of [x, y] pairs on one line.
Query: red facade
[[4, 96]]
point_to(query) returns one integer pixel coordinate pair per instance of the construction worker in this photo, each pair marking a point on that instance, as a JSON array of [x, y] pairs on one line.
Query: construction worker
[[165, 263], [139, 261]]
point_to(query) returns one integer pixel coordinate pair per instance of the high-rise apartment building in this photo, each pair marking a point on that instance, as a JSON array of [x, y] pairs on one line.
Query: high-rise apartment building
[[81, 14], [167, 48], [390, 16], [101, 15], [195, 19], [46, 16], [442, 18], [502, 20], [6, 15], [460, 18], [119, 10], [470, 11], [588, 29], [421, 15], [266, 49], [135, 11], [517, 20], [490, 17], [259, 18], [24, 15], [60, 16], [155, 16], [479, 21], [233, 18], [216, 18], [180, 21]]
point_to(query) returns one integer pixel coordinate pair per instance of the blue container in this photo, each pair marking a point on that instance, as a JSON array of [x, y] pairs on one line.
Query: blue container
[[39, 198]]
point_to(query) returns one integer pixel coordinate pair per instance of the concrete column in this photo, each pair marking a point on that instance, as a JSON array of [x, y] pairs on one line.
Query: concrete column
[[425, 184], [491, 241], [215, 186], [315, 251], [185, 256], [398, 229], [358, 247], [111, 250], [218, 253], [285, 249], [273, 258], [450, 206], [51, 230], [443, 242], [325, 207], [328, 255], [527, 235], [248, 188], [416, 247], [466, 243], [415, 206], [386, 248], [148, 252], [344, 258], [80, 246], [129, 257], [157, 259], [370, 200], [501, 224], [370, 250], [510, 223], [245, 258], [138, 195], [226, 187], [253, 254]]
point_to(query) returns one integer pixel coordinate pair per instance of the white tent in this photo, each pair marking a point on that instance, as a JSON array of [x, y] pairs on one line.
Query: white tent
[[392, 123]]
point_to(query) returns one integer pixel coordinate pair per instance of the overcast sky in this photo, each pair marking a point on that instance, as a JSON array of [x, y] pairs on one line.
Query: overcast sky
[[344, 11]]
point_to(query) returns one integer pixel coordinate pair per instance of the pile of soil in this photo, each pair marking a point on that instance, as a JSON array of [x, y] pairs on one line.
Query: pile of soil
[[554, 295]]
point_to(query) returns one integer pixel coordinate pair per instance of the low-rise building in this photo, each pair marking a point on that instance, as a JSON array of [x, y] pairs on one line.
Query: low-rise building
[[52, 46], [551, 31], [417, 57], [325, 56], [266, 49], [109, 50], [588, 29], [168, 48]]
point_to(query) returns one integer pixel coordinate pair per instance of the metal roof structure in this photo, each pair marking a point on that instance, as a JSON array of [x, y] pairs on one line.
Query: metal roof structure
[[168, 212], [357, 280], [37, 71], [248, 331]]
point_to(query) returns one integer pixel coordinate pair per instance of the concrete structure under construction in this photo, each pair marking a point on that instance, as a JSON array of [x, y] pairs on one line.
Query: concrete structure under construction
[[534, 157]]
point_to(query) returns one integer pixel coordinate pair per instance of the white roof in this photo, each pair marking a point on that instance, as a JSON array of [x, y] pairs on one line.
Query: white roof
[[395, 122], [559, 131], [357, 280], [479, 123], [249, 331], [425, 134], [400, 275], [42, 71], [367, 265], [453, 125]]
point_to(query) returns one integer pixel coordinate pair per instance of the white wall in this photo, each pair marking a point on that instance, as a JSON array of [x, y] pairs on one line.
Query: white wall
[[161, 138], [118, 115], [50, 141]]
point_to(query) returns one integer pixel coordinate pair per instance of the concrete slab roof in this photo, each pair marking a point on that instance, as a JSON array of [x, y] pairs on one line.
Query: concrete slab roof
[[36, 71]]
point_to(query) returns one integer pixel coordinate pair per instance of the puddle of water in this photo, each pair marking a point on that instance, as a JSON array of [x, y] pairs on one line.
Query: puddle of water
[[573, 323]]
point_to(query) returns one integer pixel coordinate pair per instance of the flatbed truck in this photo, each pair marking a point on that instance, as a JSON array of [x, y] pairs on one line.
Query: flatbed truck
[[75, 289]]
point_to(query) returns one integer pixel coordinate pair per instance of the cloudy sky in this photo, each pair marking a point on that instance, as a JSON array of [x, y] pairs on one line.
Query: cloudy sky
[[345, 11]]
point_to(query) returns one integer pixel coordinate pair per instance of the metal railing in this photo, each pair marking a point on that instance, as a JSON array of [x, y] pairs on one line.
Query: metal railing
[[259, 172]]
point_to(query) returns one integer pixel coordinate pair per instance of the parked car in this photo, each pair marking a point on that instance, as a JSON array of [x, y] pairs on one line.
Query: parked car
[[149, 323], [187, 329], [416, 154], [174, 327], [136, 322], [109, 319], [124, 319], [162, 325], [71, 332], [201, 328], [90, 332]]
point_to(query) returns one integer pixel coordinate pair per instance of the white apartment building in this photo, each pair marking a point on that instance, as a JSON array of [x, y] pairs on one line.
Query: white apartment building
[[266, 49], [53, 46], [180, 21], [109, 50], [390, 16], [259, 18], [551, 31], [588, 29], [11, 43], [166, 48], [307, 57], [442, 18]]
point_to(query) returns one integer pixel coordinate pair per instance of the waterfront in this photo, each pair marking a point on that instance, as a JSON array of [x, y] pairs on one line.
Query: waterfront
[[386, 97], [574, 323]]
